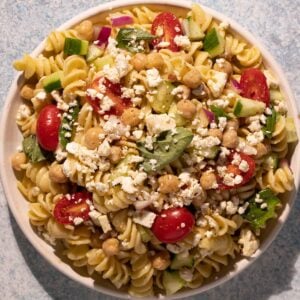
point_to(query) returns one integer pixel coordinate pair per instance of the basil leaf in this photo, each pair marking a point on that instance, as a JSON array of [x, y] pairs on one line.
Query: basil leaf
[[258, 216], [32, 149], [66, 127], [129, 38], [270, 124], [167, 147]]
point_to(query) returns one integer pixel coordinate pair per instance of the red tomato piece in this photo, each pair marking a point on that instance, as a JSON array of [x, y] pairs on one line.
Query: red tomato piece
[[236, 171], [47, 127], [254, 85], [166, 26], [114, 92], [173, 224], [75, 206]]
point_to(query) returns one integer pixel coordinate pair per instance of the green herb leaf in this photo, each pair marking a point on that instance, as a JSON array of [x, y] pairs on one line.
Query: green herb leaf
[[219, 112], [32, 149], [258, 216], [129, 38], [270, 124], [167, 147], [66, 127]]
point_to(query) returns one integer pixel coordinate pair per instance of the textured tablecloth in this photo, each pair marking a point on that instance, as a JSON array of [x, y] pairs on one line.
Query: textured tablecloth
[[24, 274]]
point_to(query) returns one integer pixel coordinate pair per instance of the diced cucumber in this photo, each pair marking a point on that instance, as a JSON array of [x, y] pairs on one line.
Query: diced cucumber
[[182, 260], [179, 119], [210, 153], [76, 46], [291, 130], [163, 98], [172, 282], [145, 233], [271, 162], [270, 124], [100, 62], [214, 43], [276, 95], [93, 52], [52, 82], [245, 107], [192, 29]]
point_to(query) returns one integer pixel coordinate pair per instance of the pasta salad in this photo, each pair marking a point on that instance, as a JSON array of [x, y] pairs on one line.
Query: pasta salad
[[155, 147]]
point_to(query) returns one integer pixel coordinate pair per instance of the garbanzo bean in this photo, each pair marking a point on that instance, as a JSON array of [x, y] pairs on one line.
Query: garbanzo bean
[[17, 160], [186, 108], [230, 139], [168, 184], [131, 117], [139, 61], [111, 247], [115, 154], [155, 60], [192, 79], [208, 180], [161, 260], [92, 139], [56, 174]]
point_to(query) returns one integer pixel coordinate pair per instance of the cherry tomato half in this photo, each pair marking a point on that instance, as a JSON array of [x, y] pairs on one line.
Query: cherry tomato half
[[236, 171], [114, 92], [166, 26], [173, 224], [254, 85], [47, 127], [75, 206]]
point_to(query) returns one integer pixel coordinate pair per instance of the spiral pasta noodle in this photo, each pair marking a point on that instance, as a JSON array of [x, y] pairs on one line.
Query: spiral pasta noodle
[[279, 138]]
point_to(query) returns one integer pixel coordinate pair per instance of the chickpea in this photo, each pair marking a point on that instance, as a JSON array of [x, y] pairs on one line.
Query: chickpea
[[92, 139], [155, 60], [216, 133], [230, 139], [232, 124], [17, 160], [131, 117], [27, 92], [184, 93], [208, 180], [224, 66], [115, 154], [168, 184], [192, 79], [139, 61], [85, 30], [262, 150], [186, 108], [56, 174], [202, 92], [161, 260], [111, 247]]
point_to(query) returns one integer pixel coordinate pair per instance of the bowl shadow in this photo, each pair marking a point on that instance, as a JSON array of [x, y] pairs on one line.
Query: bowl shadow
[[271, 274]]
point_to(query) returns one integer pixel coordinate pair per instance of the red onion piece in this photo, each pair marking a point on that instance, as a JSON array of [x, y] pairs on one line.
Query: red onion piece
[[236, 85], [121, 20], [103, 36], [210, 115]]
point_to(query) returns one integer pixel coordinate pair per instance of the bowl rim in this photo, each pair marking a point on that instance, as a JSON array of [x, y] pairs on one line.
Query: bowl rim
[[243, 263]]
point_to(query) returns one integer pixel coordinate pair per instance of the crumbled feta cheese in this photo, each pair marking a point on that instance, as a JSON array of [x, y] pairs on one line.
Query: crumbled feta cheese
[[222, 103], [248, 242], [231, 208], [139, 89], [182, 41], [281, 107], [104, 222], [272, 82], [104, 149], [245, 148], [122, 64], [158, 123], [153, 77], [42, 95], [111, 73], [217, 82], [61, 104], [114, 128], [127, 184], [111, 47], [127, 92], [77, 221], [244, 166], [258, 199], [268, 111], [264, 205], [137, 134], [224, 25], [255, 138], [23, 112], [163, 44], [207, 142], [255, 126], [222, 123], [144, 218], [236, 159]]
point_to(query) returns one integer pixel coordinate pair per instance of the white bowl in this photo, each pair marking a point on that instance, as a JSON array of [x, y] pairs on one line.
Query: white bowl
[[11, 139]]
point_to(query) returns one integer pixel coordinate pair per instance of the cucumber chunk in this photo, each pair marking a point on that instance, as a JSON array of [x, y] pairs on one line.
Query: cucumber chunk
[[192, 29], [245, 107], [179, 119], [210, 153], [172, 282], [145, 233], [100, 62], [271, 162], [93, 53], [52, 82], [276, 95], [164, 98], [182, 260], [291, 130], [76, 46], [213, 43]]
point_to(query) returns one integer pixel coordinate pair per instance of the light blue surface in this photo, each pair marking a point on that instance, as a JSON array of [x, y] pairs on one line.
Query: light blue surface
[[24, 274]]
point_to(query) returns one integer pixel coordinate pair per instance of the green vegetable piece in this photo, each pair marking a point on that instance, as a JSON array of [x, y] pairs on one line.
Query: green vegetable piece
[[52, 82], [129, 38], [192, 29], [213, 43], [172, 282], [291, 130], [146, 234], [276, 95], [270, 124], [245, 107], [258, 216], [271, 162], [182, 260], [76, 46], [163, 98], [179, 119], [93, 53], [66, 127], [210, 153], [32, 149], [167, 147], [219, 112]]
